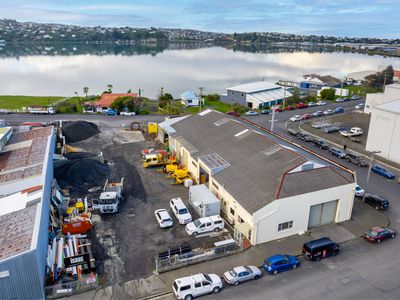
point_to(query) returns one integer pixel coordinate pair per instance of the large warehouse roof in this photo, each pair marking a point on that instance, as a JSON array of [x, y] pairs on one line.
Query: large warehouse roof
[[254, 87], [270, 95], [255, 165]]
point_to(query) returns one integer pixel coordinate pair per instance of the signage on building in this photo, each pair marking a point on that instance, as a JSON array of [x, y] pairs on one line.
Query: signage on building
[[77, 260]]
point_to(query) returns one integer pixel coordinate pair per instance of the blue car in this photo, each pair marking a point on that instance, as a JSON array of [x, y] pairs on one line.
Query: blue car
[[383, 172], [279, 263], [337, 152], [339, 110], [110, 112]]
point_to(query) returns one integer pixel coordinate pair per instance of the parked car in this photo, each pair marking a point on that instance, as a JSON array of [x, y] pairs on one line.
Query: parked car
[[206, 224], [311, 104], [289, 107], [321, 103], [241, 274], [304, 137], [383, 172], [110, 112], [279, 263], [196, 285], [320, 248], [356, 159], [355, 97], [233, 113], [378, 234], [320, 144], [127, 113], [346, 99], [251, 113], [328, 112], [360, 106], [301, 105], [318, 113], [180, 211], [278, 109], [339, 110], [376, 201], [330, 128], [305, 116], [295, 118], [339, 100], [266, 112], [163, 218], [337, 152], [359, 192]]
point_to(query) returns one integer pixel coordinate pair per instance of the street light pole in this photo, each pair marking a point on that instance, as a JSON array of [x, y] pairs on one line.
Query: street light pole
[[369, 171], [273, 118]]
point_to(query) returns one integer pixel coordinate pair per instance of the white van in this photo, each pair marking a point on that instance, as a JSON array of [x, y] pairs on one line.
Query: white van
[[206, 224], [196, 285], [180, 211]]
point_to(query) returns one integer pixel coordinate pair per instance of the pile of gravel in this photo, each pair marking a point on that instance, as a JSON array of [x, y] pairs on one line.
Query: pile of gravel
[[82, 174], [78, 131]]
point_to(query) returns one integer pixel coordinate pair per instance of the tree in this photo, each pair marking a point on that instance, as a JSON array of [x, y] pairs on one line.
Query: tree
[[129, 91], [380, 79], [86, 91], [294, 98], [328, 94], [127, 103], [164, 99], [109, 87]]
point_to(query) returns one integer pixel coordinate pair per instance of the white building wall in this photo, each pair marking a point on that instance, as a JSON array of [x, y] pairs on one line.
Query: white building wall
[[297, 209], [392, 92], [384, 134]]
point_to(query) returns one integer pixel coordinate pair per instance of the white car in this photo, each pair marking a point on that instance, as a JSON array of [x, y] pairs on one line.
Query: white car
[[359, 192], [127, 113], [206, 224], [163, 218], [295, 118], [311, 104], [241, 274], [251, 113], [180, 211], [196, 285], [328, 112], [360, 106], [321, 103]]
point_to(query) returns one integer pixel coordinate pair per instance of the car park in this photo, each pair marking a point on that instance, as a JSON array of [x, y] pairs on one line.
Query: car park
[[163, 218], [328, 112], [295, 118], [358, 192], [378, 234], [186, 288], [305, 116], [376, 201], [180, 211], [279, 263], [233, 113], [304, 137], [266, 112], [206, 224], [301, 105], [360, 106], [321, 144], [356, 159], [242, 273], [337, 152], [127, 113], [318, 113], [321, 103], [321, 248], [339, 110], [383, 172], [251, 113]]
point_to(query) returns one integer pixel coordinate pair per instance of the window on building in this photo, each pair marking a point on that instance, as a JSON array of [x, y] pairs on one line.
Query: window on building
[[242, 95], [232, 211], [194, 164], [240, 220], [189, 101], [285, 226], [215, 185]]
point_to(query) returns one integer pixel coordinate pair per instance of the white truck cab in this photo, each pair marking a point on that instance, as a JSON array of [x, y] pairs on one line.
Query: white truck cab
[[196, 285], [206, 224], [180, 211]]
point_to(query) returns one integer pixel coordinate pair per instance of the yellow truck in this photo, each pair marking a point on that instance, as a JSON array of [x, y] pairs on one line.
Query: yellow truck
[[157, 159]]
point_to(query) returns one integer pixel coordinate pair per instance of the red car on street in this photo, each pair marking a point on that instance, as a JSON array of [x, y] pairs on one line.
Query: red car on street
[[306, 117], [233, 113], [378, 234], [278, 109], [289, 107], [301, 105]]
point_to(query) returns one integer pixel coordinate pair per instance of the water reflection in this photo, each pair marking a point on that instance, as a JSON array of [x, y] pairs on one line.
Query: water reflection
[[63, 69]]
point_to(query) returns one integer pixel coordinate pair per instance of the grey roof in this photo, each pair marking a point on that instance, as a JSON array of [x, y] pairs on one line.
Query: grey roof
[[257, 163], [393, 106], [254, 87]]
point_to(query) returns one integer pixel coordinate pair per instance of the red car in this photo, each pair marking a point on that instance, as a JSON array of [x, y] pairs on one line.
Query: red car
[[278, 109], [233, 113], [306, 117], [301, 105], [378, 234], [289, 107]]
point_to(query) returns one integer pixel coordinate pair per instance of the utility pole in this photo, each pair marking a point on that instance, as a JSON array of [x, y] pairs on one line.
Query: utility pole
[[273, 118], [284, 97], [384, 82], [201, 89]]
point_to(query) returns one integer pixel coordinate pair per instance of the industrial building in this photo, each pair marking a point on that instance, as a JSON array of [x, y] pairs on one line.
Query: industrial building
[[315, 81], [391, 93], [26, 164], [268, 187], [256, 95]]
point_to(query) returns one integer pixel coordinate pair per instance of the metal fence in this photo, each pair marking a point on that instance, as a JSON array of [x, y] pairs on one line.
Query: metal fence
[[194, 257], [85, 283]]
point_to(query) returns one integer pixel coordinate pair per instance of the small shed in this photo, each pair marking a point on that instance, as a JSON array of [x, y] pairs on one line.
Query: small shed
[[189, 98], [204, 202]]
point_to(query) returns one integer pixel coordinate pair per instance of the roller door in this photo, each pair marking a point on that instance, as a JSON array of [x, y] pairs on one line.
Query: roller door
[[322, 214]]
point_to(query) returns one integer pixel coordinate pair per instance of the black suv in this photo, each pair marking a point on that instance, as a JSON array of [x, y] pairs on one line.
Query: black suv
[[376, 201], [321, 144], [320, 248], [356, 159], [304, 137]]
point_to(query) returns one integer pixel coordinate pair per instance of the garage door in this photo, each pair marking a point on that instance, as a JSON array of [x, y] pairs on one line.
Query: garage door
[[322, 214]]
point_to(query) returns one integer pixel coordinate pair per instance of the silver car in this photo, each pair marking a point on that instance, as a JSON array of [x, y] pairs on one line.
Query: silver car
[[241, 274]]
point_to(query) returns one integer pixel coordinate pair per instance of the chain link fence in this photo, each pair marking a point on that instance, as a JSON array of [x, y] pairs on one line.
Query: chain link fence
[[85, 283]]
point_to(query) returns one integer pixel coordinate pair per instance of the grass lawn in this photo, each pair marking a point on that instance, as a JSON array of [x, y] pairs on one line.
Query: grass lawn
[[15, 102]]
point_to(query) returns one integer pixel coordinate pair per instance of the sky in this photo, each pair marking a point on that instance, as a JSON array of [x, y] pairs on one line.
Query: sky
[[353, 18]]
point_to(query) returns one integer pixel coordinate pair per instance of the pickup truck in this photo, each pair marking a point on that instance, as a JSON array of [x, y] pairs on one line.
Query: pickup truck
[[36, 110], [354, 131]]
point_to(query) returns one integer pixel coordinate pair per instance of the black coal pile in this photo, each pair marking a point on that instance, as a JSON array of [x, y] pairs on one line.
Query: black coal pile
[[78, 131], [82, 174], [80, 155]]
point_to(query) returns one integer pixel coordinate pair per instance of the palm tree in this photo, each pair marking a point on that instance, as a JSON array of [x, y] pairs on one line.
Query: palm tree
[[86, 90], [109, 86]]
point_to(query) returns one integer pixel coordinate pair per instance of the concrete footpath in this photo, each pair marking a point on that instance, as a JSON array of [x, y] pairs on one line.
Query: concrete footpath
[[364, 217]]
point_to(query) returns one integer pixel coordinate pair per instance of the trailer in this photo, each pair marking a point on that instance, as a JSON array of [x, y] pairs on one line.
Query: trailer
[[108, 201], [204, 202]]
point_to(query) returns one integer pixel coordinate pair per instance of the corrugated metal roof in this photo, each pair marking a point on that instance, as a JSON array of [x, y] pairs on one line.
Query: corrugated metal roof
[[254, 87], [188, 95], [267, 96]]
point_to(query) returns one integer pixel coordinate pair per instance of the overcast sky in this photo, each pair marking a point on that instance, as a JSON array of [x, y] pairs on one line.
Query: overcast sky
[[357, 18]]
